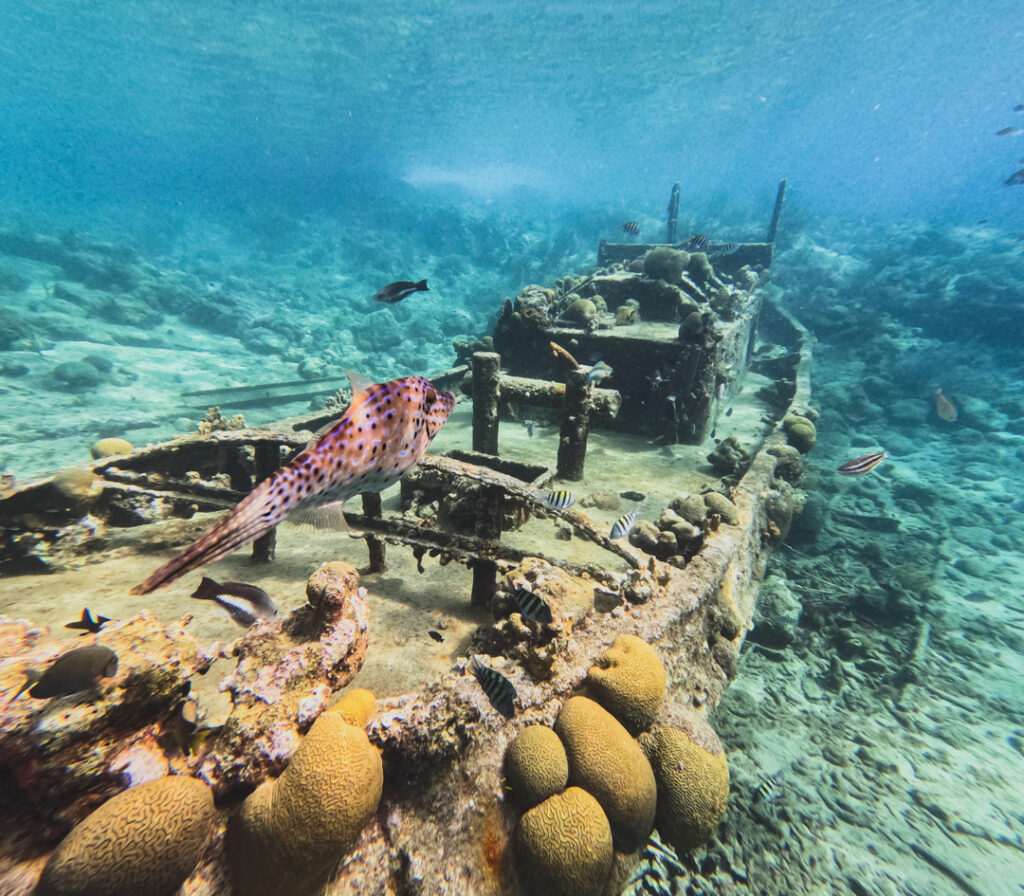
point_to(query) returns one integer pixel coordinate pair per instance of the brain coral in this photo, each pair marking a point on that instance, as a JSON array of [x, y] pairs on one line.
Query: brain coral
[[606, 762], [110, 447], [145, 840], [290, 833], [665, 264], [356, 707], [629, 681], [693, 786], [564, 846], [800, 432], [536, 766]]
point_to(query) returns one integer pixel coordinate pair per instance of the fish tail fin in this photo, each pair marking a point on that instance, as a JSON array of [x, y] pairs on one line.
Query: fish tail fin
[[422, 286], [207, 589], [262, 509], [31, 677]]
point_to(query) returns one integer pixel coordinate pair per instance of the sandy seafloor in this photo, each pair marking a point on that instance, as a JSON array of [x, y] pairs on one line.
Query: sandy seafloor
[[885, 778]]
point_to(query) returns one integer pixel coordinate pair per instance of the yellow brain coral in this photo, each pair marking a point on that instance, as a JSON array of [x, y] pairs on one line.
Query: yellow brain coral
[[290, 833], [564, 846], [145, 840], [606, 762], [356, 707], [800, 432], [693, 787], [536, 766], [629, 681]]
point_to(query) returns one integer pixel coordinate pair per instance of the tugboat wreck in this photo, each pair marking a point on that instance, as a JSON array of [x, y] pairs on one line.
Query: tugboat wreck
[[503, 680]]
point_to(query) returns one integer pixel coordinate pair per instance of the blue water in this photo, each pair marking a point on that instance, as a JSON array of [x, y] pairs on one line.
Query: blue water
[[298, 156]]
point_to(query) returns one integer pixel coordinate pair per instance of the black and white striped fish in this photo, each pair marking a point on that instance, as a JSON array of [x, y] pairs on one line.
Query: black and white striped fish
[[696, 243], [499, 690], [631, 227], [624, 524], [246, 604], [767, 789], [531, 605], [658, 867], [559, 500], [724, 249]]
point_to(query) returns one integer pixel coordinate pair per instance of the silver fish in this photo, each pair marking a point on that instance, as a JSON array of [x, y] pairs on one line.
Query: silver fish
[[598, 372], [384, 433]]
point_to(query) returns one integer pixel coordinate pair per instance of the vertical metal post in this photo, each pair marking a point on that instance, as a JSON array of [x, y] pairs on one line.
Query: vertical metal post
[[572, 440], [486, 392], [780, 197], [375, 545], [673, 215], [268, 459], [488, 528]]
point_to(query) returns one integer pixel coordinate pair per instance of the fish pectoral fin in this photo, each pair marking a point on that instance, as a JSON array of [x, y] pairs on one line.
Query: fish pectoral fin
[[322, 516]]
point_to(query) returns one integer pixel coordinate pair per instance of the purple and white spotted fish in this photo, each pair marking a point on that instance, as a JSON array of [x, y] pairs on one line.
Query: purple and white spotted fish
[[385, 432]]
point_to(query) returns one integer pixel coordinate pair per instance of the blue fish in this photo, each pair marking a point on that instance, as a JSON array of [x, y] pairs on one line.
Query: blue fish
[[599, 372]]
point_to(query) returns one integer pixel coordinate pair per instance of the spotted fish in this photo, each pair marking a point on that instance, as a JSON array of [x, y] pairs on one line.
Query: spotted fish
[[384, 433]]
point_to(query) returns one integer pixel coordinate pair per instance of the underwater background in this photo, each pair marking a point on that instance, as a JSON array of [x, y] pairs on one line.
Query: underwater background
[[263, 169]]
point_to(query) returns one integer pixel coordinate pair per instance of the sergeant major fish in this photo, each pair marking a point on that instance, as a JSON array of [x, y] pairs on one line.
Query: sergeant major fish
[[499, 690], [624, 524], [384, 433], [395, 292], [531, 605], [246, 604], [559, 499]]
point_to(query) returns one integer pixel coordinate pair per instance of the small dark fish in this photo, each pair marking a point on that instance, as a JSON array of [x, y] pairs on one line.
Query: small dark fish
[[631, 227], [624, 524], [530, 426], [1016, 178], [395, 292], [88, 623], [696, 243], [77, 670], [977, 597], [499, 690], [559, 500], [1008, 132], [531, 606], [437, 636], [1019, 107], [246, 604], [861, 465], [728, 413]]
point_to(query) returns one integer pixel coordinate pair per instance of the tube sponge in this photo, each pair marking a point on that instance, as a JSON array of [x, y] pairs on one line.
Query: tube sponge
[[291, 832], [145, 840], [564, 846], [629, 681]]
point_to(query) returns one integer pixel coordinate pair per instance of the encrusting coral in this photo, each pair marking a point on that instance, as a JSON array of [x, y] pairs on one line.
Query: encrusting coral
[[144, 840], [536, 766], [564, 846], [291, 832], [606, 762], [629, 681], [693, 786]]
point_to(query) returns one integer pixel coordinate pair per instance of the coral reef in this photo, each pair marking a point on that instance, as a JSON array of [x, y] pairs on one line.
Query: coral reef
[[666, 264], [145, 840], [693, 785], [536, 766], [629, 681], [722, 507], [564, 846], [290, 832], [215, 421], [606, 762], [286, 673], [110, 447], [800, 432]]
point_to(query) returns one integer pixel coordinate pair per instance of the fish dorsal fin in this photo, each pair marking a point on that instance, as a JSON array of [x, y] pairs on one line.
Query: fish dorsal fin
[[359, 383], [322, 516]]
